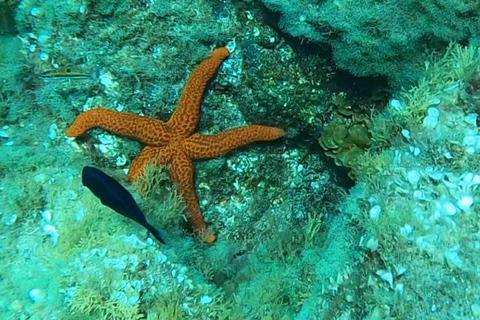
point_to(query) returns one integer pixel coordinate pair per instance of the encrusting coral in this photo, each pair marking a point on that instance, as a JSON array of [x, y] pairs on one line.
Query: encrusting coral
[[174, 143]]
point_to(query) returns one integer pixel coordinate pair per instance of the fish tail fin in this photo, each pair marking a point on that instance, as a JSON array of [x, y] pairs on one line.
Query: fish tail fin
[[156, 233]]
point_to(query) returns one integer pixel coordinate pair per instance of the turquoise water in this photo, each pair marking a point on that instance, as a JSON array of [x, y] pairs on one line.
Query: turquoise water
[[365, 209]]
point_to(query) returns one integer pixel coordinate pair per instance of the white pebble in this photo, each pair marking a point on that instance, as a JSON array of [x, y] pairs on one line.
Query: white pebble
[[119, 296], [406, 231], [475, 310], [435, 101], [103, 149], [386, 276], [40, 178], [406, 133], [52, 232], [102, 252], [106, 79], [11, 220], [374, 212], [449, 208], [205, 300], [36, 295], [79, 214], [149, 241], [413, 176], [435, 174], [400, 271], [161, 258], [121, 160], [52, 131], [399, 288], [46, 215], [106, 139], [4, 134], [137, 284], [35, 11], [465, 202], [180, 278], [134, 299], [43, 56], [453, 259], [476, 179], [396, 104], [471, 119], [433, 112], [430, 121]]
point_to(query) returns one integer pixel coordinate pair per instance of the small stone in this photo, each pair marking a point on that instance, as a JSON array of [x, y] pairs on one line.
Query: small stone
[[161, 258], [52, 232], [413, 176], [121, 160], [434, 102], [435, 174], [433, 112], [386, 276], [40, 178], [46, 215], [43, 56], [205, 300], [119, 296], [395, 104], [372, 244], [35, 11], [430, 121], [465, 202], [374, 212], [406, 133], [11, 220], [400, 271], [453, 259], [134, 299], [79, 214], [137, 284], [471, 119], [37, 296], [102, 252], [399, 288], [449, 208], [406, 231], [475, 310]]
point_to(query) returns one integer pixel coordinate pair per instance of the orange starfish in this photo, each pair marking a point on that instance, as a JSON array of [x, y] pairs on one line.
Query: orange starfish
[[174, 143]]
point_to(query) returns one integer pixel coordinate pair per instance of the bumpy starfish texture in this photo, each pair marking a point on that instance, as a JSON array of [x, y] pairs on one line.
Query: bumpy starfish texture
[[174, 143]]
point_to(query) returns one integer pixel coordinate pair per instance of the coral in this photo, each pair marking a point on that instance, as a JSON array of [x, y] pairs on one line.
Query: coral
[[385, 38], [89, 301], [347, 136], [418, 207]]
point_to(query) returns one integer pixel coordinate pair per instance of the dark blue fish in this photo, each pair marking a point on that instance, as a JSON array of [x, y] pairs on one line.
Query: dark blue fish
[[113, 195]]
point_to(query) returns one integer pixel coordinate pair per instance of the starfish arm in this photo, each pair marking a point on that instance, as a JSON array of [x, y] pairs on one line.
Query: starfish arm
[[147, 155], [181, 171], [185, 118], [146, 130], [200, 146]]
